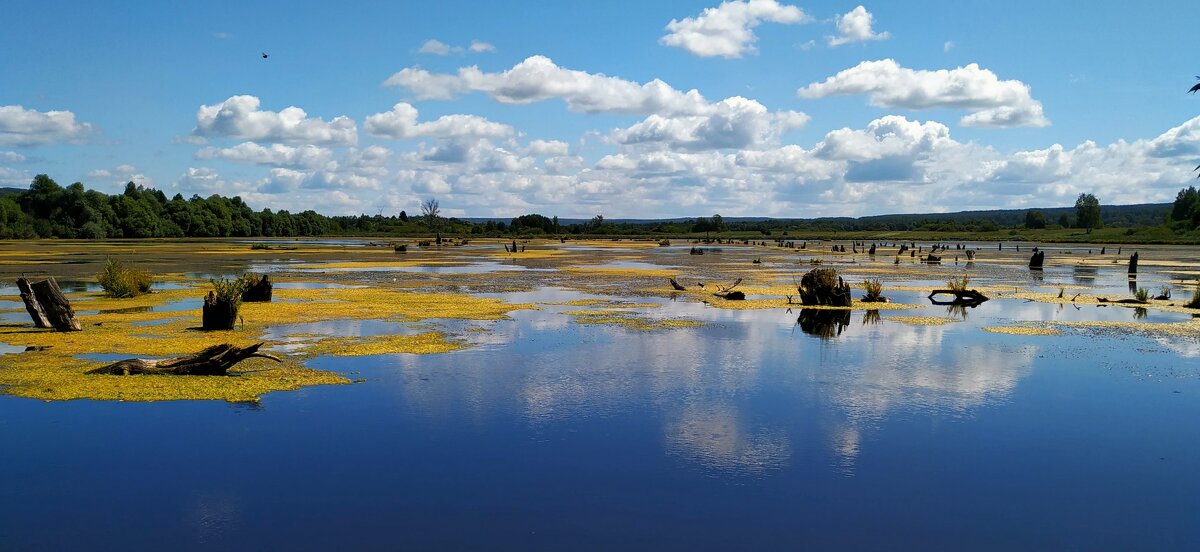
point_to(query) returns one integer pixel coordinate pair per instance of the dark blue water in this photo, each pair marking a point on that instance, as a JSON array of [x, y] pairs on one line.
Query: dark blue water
[[747, 433]]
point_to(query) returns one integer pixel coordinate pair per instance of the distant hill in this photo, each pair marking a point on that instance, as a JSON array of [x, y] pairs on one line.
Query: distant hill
[[10, 191]]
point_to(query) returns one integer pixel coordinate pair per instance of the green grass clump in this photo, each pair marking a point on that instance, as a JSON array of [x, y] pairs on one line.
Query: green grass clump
[[959, 283], [1142, 295], [121, 282], [874, 288], [231, 291]]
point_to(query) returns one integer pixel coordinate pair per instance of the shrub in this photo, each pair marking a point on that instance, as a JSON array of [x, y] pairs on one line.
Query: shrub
[[259, 246], [959, 284], [122, 282], [1195, 302], [874, 288], [1142, 295], [230, 291]]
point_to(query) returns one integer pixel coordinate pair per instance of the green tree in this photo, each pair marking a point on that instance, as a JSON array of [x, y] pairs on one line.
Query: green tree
[[1087, 212], [1035, 219]]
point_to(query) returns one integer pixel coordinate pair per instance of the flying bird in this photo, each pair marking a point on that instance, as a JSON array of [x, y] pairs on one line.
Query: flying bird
[[266, 55], [1196, 87]]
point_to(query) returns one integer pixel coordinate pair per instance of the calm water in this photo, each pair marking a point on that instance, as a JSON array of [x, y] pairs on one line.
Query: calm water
[[749, 432]]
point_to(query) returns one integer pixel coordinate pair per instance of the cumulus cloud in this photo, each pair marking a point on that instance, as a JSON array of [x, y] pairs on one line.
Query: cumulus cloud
[[274, 154], [732, 123], [435, 47], [728, 30], [990, 101], [11, 157], [121, 174], [855, 26], [14, 177], [548, 148], [401, 122], [240, 117], [480, 47], [538, 78], [29, 127]]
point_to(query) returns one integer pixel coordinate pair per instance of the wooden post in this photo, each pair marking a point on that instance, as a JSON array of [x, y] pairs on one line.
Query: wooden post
[[55, 305], [32, 305]]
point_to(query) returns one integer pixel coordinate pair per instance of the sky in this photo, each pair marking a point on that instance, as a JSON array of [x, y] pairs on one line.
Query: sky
[[625, 109]]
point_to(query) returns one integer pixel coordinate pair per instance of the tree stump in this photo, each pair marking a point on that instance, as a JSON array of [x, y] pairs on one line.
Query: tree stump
[[258, 291], [31, 304], [1133, 260], [213, 361], [218, 313], [1036, 261], [47, 305], [823, 286]]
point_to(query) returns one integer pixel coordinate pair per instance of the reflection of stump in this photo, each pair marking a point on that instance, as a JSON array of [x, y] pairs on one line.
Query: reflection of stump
[[218, 313], [823, 323], [258, 291], [1036, 261], [823, 286]]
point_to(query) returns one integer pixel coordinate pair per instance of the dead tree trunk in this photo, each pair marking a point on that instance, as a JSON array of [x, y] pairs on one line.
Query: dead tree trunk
[[46, 299], [32, 305], [1133, 260], [213, 361], [675, 285], [218, 313], [1036, 261], [259, 290]]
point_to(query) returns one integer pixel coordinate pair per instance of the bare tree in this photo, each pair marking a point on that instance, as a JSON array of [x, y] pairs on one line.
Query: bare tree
[[430, 210]]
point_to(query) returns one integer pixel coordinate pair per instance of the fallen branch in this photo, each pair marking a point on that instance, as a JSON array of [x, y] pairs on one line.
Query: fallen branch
[[675, 285], [213, 361]]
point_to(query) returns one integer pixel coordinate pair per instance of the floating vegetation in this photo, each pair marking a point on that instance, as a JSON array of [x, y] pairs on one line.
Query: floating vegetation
[[922, 320], [1022, 330], [629, 320]]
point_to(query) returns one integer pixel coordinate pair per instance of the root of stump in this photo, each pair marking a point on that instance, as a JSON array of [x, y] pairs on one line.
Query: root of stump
[[213, 361]]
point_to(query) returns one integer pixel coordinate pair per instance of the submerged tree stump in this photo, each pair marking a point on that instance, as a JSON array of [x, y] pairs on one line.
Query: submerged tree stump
[[823, 286], [1036, 261], [218, 313], [258, 290], [47, 305], [213, 361]]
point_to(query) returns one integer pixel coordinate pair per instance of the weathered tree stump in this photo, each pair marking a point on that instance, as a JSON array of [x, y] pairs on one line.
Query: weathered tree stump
[[970, 254], [823, 286], [31, 304], [218, 313], [47, 305], [1133, 260], [213, 361], [258, 290], [1036, 261]]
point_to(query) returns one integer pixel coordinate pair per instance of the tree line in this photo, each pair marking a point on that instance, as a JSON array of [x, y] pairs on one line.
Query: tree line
[[48, 210]]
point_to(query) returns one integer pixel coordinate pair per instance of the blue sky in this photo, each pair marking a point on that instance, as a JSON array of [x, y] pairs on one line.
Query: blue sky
[[800, 109]]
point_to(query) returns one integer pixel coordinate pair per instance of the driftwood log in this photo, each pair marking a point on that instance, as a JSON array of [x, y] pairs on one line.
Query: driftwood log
[[823, 286], [213, 361], [218, 313], [47, 305], [965, 296], [259, 290]]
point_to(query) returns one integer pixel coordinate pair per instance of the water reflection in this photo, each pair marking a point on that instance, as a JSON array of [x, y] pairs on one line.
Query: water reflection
[[716, 436], [825, 324]]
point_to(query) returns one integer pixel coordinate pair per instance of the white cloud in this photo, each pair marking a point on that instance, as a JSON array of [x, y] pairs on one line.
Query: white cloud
[[14, 177], [732, 123], [121, 174], [948, 45], [990, 101], [29, 127], [435, 47], [480, 47], [538, 78], [11, 157], [548, 148], [275, 154], [401, 122], [239, 117], [728, 30], [855, 26]]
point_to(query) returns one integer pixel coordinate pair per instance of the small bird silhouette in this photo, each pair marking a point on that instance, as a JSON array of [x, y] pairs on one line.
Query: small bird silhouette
[[1196, 87], [266, 55]]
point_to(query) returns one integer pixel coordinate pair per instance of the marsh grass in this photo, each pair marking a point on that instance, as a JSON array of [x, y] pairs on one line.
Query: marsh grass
[[230, 291], [1195, 302], [874, 288], [959, 283], [1142, 295], [122, 282]]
